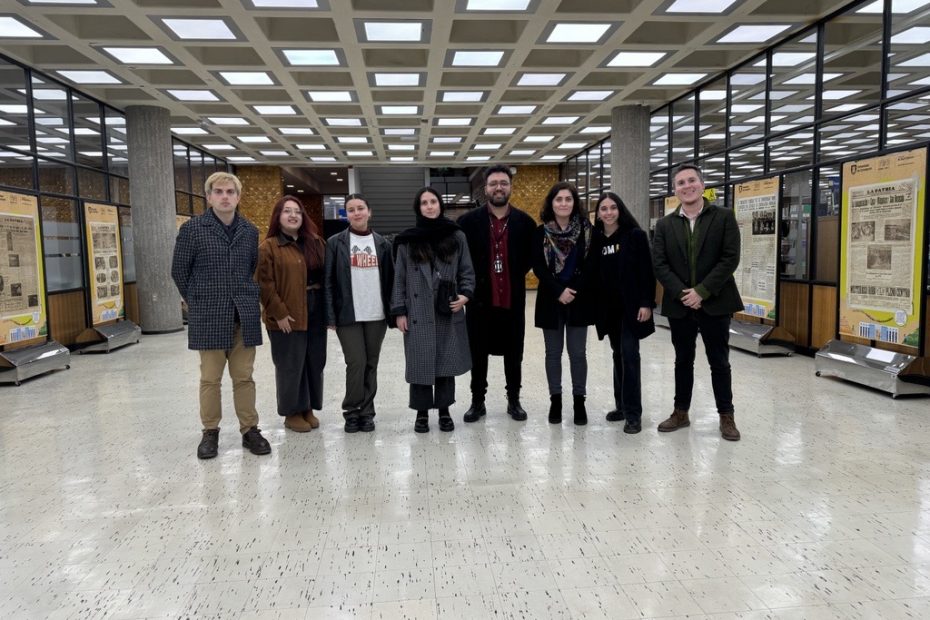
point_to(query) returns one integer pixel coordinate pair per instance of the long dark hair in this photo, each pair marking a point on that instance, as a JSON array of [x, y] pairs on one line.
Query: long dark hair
[[547, 214], [314, 246], [428, 247], [625, 220]]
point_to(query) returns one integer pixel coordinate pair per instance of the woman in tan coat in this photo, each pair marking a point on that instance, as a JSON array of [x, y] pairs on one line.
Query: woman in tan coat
[[290, 274]]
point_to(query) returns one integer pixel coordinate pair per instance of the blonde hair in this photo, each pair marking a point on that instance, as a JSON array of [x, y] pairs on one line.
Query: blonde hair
[[222, 177]]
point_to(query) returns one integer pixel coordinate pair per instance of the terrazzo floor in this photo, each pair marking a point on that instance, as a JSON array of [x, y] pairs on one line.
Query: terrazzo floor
[[821, 511]]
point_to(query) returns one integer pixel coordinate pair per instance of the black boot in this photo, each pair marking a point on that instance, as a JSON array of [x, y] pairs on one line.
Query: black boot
[[475, 412], [422, 423], [209, 444], [514, 410], [581, 414], [445, 420], [555, 409]]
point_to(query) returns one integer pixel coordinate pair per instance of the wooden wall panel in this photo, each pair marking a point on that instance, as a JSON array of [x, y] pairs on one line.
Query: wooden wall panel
[[132, 302], [530, 186], [793, 313], [67, 317], [927, 326], [823, 323]]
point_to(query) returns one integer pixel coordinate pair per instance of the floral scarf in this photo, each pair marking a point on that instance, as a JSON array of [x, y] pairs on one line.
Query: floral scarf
[[558, 244]]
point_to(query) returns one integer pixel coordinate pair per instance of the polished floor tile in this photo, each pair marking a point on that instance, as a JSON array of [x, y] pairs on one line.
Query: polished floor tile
[[105, 512]]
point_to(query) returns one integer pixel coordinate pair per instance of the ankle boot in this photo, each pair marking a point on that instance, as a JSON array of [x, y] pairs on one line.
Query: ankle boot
[[678, 419], [422, 423], [445, 420], [581, 414], [555, 409]]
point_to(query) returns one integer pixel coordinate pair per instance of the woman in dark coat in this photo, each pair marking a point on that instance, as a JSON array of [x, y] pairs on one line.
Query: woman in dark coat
[[560, 250], [290, 276], [623, 285], [433, 279], [357, 290]]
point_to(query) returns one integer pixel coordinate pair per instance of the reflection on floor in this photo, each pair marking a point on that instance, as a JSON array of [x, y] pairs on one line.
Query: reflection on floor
[[821, 511]]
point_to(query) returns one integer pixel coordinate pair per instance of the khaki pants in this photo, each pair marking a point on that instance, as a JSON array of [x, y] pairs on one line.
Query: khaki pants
[[241, 359]]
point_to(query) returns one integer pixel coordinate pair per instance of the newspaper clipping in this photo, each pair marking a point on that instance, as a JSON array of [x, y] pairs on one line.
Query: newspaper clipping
[[756, 209], [22, 288], [104, 262]]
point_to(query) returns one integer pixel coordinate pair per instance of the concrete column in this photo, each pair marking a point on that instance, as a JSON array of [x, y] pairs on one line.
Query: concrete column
[[629, 158], [151, 190]]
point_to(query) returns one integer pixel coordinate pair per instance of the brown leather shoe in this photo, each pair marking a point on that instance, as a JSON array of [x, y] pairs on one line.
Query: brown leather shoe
[[728, 428], [311, 419], [297, 423], [678, 419]]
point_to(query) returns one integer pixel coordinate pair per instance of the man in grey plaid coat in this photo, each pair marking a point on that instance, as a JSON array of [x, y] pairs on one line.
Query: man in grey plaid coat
[[215, 257]]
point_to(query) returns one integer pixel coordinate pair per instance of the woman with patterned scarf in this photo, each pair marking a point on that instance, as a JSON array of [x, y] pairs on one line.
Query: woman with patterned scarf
[[560, 249]]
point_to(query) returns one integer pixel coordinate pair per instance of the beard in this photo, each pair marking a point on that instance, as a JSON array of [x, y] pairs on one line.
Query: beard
[[498, 200]]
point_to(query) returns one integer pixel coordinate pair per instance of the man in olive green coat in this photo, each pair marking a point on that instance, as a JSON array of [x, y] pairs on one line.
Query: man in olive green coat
[[695, 252]]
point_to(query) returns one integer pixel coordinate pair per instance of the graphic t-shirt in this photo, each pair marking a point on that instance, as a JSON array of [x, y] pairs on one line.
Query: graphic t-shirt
[[366, 278]]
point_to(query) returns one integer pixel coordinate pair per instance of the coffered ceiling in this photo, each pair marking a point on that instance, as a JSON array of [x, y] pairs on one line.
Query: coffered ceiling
[[432, 82]]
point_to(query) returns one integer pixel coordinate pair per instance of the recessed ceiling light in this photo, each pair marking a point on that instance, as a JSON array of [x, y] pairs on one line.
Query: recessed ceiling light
[[522, 152], [462, 96], [516, 109], [285, 4], [240, 158], [89, 77], [559, 120], [918, 61], [499, 131], [539, 138], [275, 153], [743, 108], [296, 131], [636, 59], [254, 139], [486, 147], [553, 157], [227, 120], [787, 59], [83, 131], [275, 110], [311, 147], [336, 96], [401, 147], [699, 6], [12, 28], [247, 78], [917, 35], [219, 147], [453, 122], [344, 122], [477, 58], [394, 31], [139, 55], [478, 158], [678, 79], [193, 95], [541, 79], [590, 95], [203, 29], [322, 158], [811, 78], [577, 33], [313, 58], [352, 140], [46, 94], [753, 33], [359, 153], [403, 131], [746, 79], [442, 153], [596, 129], [837, 94], [402, 159], [397, 79], [189, 131], [447, 140], [496, 5], [400, 109], [571, 145]]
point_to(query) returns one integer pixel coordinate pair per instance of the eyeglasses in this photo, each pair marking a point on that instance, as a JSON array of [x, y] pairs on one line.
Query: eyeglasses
[[500, 184], [292, 211]]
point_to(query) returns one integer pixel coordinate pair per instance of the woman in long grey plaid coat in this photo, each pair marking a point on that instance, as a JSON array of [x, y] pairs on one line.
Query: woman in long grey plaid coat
[[433, 279]]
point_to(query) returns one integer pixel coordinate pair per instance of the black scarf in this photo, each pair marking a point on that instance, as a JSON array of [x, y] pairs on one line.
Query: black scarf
[[429, 239]]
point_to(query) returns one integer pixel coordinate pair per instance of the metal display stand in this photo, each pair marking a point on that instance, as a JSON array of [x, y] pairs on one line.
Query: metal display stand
[[106, 338], [875, 368], [752, 337], [20, 364]]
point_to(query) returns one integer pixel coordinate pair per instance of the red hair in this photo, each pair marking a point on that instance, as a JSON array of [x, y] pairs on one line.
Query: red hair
[[312, 241]]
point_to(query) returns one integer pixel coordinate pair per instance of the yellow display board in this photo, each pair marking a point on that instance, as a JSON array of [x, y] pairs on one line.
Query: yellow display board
[[672, 202], [755, 205], [104, 263], [882, 242], [23, 316]]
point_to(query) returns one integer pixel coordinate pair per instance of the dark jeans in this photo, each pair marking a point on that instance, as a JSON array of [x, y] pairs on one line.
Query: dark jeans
[[299, 359], [422, 397], [715, 332], [361, 346], [492, 331], [627, 387], [555, 339]]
